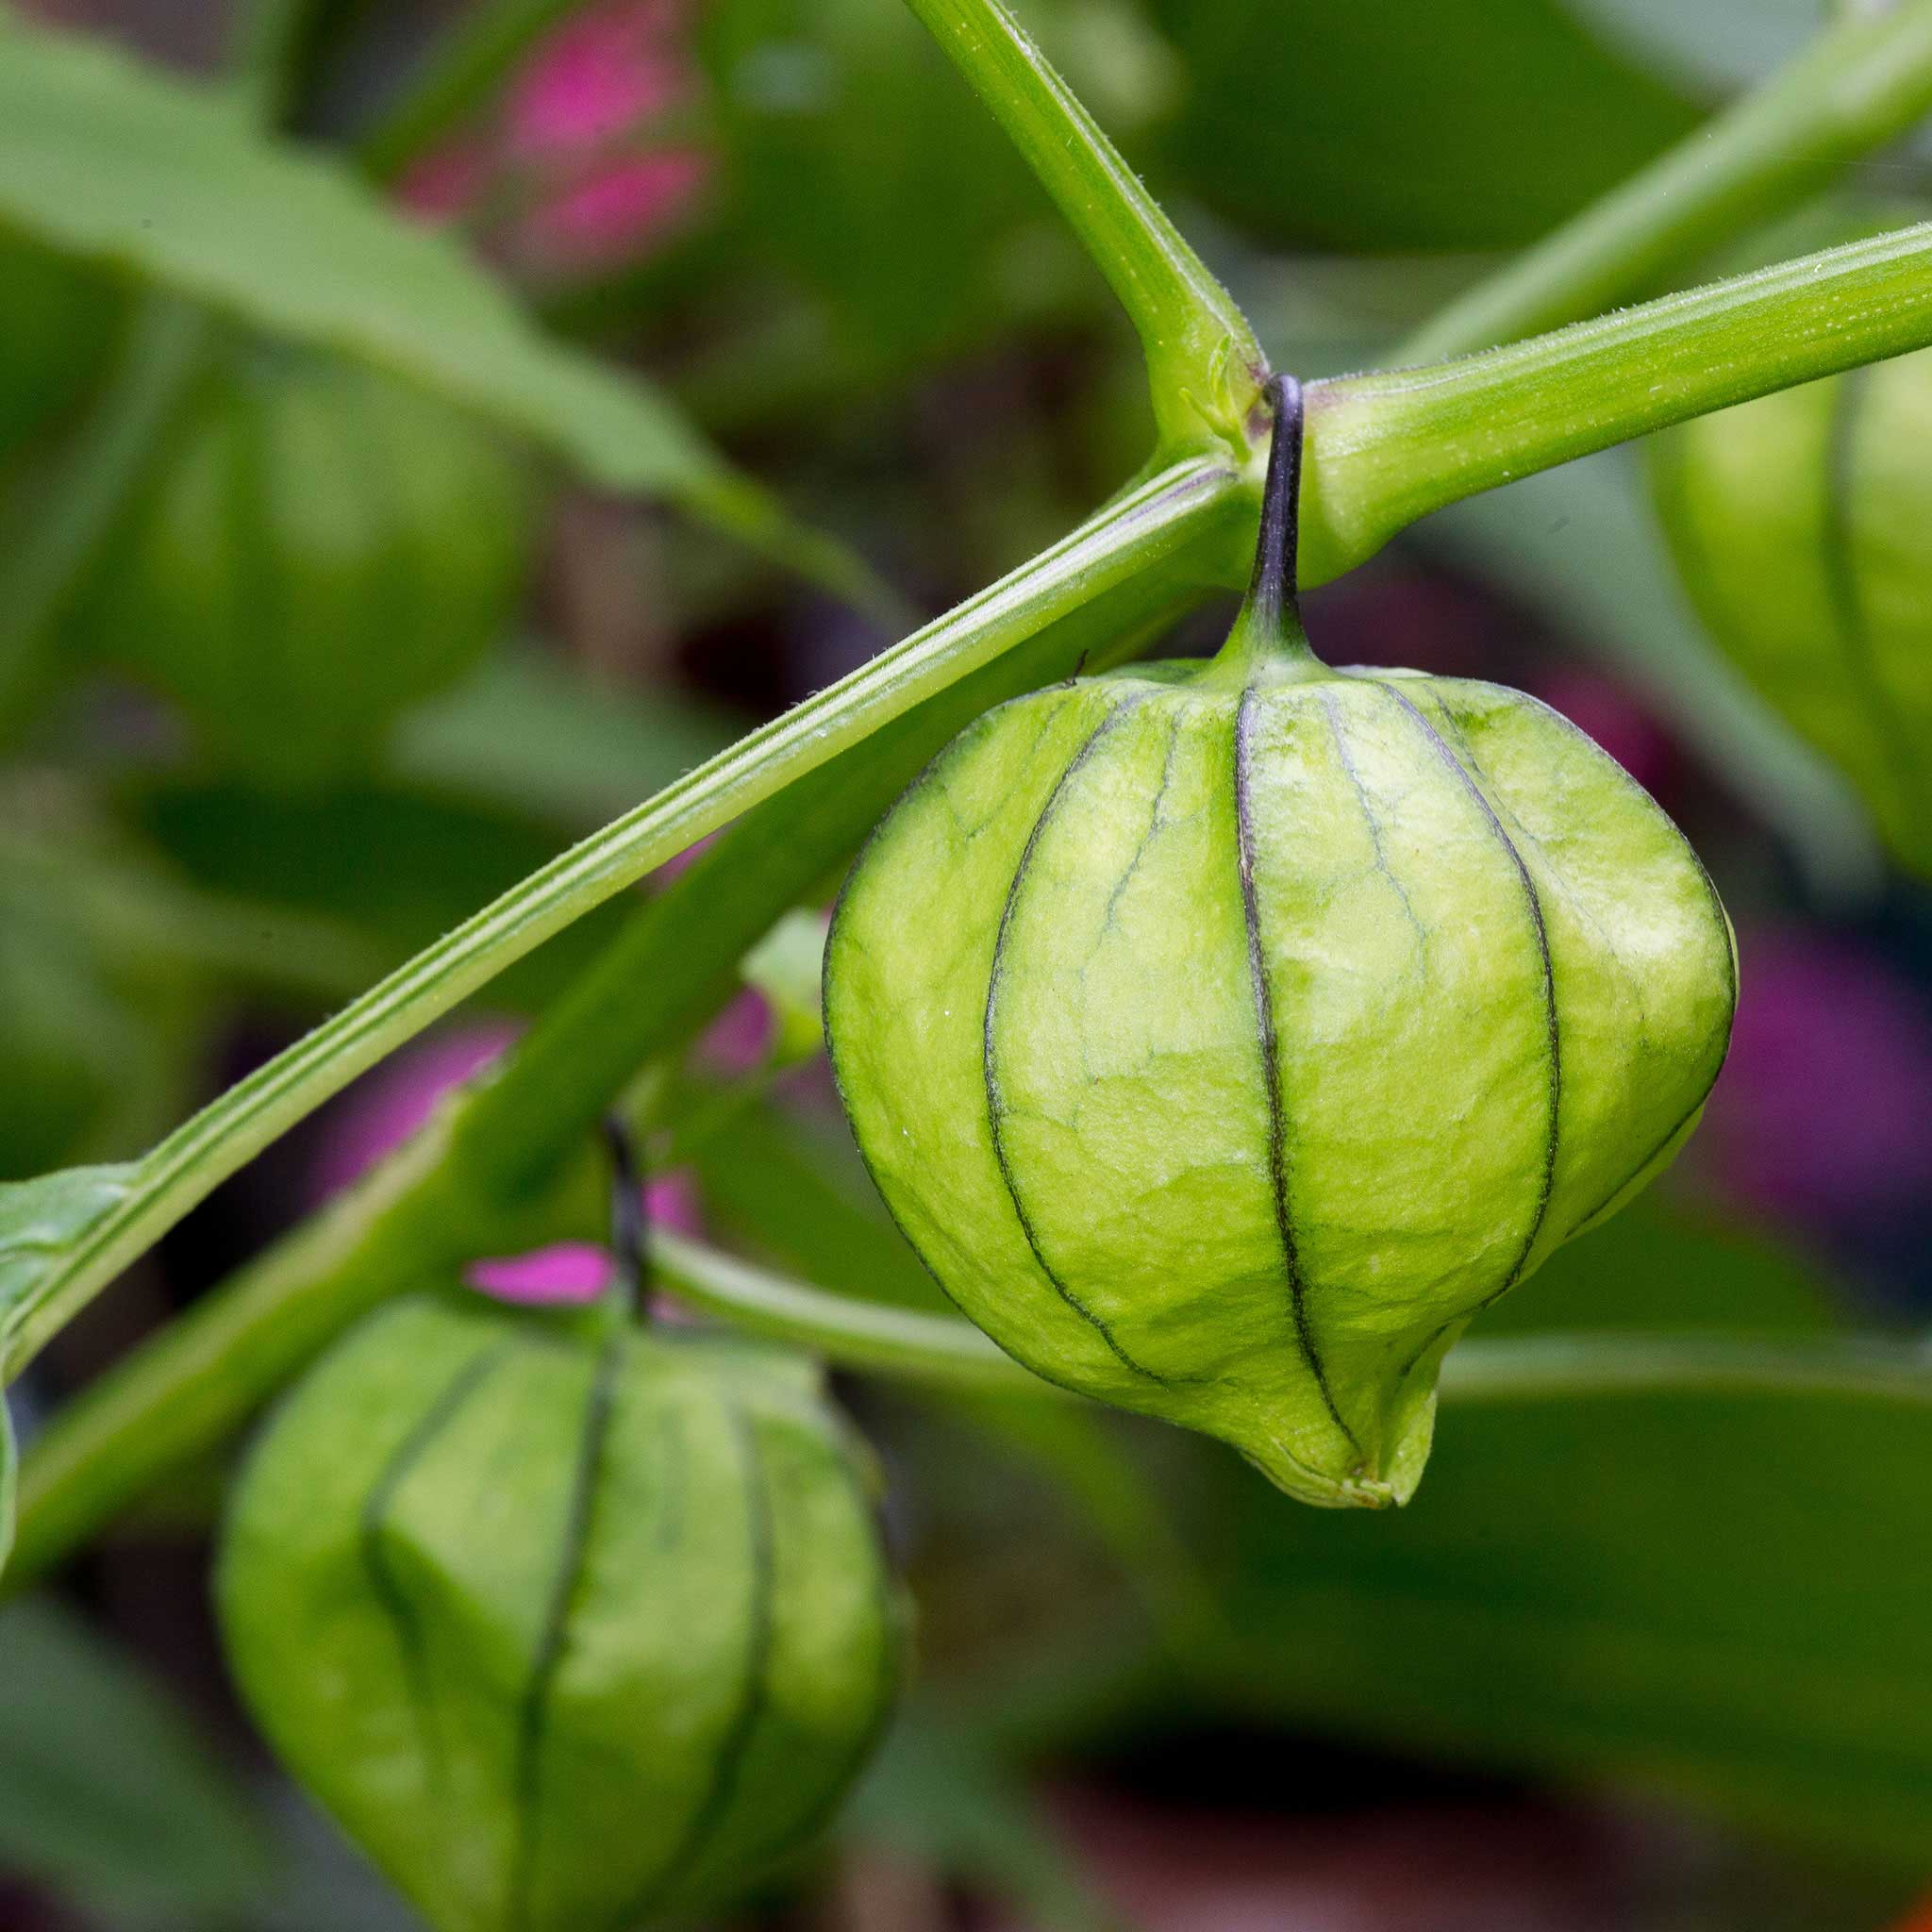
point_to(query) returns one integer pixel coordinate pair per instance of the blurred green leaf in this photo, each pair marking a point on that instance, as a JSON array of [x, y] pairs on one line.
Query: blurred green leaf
[[1659, 1269], [42, 1218], [860, 169], [1718, 1594], [933, 1797], [1464, 123], [398, 865], [532, 734], [106, 1793], [787, 966], [1579, 544], [1722, 1595], [118, 162]]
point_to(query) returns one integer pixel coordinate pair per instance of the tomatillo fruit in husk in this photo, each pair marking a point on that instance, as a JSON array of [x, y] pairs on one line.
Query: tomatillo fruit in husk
[[1226, 1035], [1799, 526], [321, 547], [568, 1624]]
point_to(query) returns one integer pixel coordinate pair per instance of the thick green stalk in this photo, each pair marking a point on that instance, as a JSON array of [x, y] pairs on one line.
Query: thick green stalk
[[1388, 448], [665, 975], [1536, 1367], [76, 1480], [1549, 1368], [1863, 83], [854, 1334], [1203, 362]]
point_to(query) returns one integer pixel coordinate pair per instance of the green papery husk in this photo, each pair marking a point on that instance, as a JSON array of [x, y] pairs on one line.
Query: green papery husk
[[1798, 524], [320, 547], [1226, 1038], [568, 1624]]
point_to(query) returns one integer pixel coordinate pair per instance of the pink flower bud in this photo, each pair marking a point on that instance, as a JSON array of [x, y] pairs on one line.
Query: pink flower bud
[[576, 1272], [573, 155]]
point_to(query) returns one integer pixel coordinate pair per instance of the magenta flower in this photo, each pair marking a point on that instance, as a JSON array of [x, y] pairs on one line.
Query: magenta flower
[[572, 178], [1822, 1116], [575, 1272]]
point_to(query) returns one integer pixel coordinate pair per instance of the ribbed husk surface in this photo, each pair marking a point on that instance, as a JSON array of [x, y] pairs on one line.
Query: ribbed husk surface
[[1223, 1047], [569, 1629], [320, 547], [1802, 526]]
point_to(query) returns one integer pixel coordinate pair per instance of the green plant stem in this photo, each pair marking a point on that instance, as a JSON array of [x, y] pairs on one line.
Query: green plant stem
[[1864, 82], [1165, 516], [666, 975], [1203, 362], [944, 1349], [66, 1477], [1131, 536], [854, 1334], [1383, 450], [468, 66], [1546, 1368], [1388, 448]]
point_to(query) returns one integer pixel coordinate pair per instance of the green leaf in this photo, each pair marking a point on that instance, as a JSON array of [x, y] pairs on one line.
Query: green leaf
[[106, 1793], [39, 1220], [301, 857], [530, 733], [1719, 1594], [108, 158], [1327, 123], [1655, 1270]]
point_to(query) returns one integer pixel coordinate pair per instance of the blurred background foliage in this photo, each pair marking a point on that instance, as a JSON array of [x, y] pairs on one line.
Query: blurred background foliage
[[1631, 1660]]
